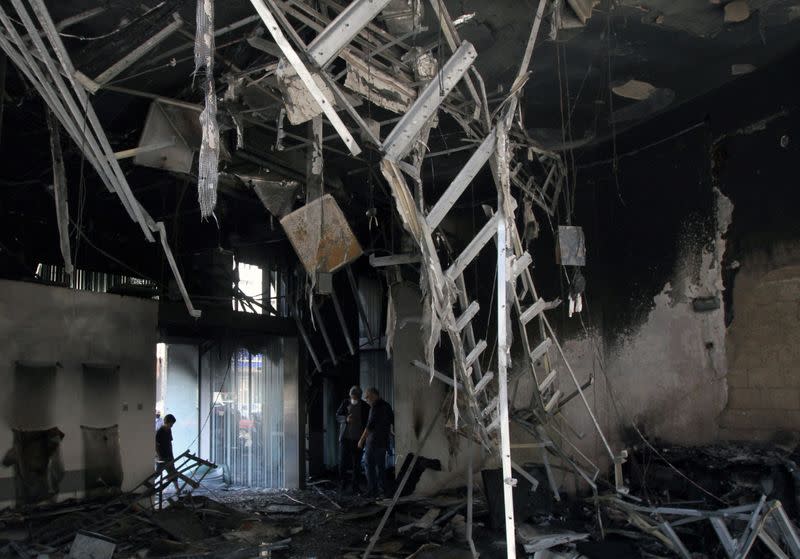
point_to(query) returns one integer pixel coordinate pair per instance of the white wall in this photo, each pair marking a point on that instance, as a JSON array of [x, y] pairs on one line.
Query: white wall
[[50, 324], [181, 398]]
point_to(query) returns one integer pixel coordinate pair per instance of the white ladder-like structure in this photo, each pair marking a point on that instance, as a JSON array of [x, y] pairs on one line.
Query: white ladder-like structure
[[485, 394]]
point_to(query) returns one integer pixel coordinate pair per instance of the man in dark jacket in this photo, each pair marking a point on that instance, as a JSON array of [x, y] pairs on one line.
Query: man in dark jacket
[[352, 417], [164, 455], [375, 441]]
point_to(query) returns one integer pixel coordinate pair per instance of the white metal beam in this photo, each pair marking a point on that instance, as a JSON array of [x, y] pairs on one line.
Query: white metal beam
[[473, 248], [423, 368], [343, 29], [502, 384], [464, 177], [401, 138]]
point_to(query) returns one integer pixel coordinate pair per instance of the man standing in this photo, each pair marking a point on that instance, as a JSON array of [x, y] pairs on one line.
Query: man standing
[[164, 455], [352, 417], [375, 441]]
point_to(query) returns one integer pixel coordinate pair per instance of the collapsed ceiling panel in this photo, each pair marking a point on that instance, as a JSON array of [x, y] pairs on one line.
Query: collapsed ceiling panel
[[321, 236]]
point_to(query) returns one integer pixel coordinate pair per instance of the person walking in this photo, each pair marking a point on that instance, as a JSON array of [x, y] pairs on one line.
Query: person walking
[[164, 455]]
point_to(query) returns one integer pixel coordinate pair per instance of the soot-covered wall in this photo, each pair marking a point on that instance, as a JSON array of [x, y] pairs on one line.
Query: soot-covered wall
[[74, 364], [652, 333], [694, 270]]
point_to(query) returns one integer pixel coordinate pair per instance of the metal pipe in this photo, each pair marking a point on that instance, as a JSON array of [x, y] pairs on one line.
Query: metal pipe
[[40, 10], [22, 57]]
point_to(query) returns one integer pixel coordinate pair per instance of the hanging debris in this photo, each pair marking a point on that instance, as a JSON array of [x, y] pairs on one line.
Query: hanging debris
[[314, 163], [278, 197], [60, 191], [301, 106], [321, 236], [207, 174], [571, 246]]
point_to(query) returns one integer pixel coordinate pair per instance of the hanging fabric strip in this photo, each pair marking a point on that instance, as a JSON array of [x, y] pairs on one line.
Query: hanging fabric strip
[[207, 173], [60, 191]]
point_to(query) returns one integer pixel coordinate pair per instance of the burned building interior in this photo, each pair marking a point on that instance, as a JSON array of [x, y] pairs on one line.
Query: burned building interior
[[558, 239]]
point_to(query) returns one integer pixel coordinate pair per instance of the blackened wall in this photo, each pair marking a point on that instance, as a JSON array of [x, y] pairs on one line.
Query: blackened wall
[[692, 271]]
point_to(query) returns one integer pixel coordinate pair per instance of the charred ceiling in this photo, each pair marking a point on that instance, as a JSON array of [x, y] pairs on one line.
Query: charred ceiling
[[575, 97]]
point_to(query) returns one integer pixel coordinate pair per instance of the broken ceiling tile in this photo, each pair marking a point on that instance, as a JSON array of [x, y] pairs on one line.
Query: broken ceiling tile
[[378, 87], [737, 11], [321, 236], [571, 246], [540, 539], [634, 89], [741, 69], [403, 16], [300, 105], [277, 196]]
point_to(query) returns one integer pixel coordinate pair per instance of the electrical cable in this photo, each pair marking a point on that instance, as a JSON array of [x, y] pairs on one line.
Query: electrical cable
[[118, 29]]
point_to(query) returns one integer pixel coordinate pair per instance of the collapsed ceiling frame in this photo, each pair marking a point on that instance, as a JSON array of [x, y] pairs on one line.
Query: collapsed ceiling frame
[[65, 101]]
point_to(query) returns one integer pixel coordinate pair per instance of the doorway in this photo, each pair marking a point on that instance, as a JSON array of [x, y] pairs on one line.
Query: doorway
[[247, 417]]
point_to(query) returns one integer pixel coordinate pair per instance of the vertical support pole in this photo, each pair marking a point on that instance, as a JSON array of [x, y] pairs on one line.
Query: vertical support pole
[[470, 485], [314, 162], [502, 380]]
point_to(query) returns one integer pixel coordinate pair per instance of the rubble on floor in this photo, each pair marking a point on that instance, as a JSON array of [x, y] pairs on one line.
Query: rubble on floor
[[717, 501]]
